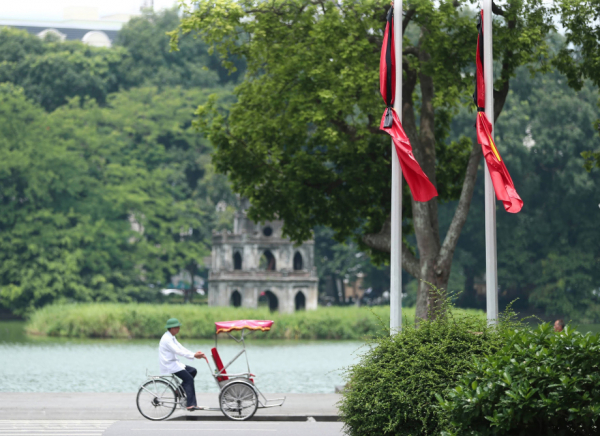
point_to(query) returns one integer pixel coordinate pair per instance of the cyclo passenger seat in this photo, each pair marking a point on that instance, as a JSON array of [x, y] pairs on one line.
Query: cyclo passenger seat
[[219, 365], [220, 369]]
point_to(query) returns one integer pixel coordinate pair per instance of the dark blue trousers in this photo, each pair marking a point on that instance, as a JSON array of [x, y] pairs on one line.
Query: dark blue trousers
[[187, 376]]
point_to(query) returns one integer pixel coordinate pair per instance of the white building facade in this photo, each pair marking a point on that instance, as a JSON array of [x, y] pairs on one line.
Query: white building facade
[[256, 264], [78, 23]]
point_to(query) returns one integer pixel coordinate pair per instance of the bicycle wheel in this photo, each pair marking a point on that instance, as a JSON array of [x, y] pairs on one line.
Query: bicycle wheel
[[238, 401], [156, 400]]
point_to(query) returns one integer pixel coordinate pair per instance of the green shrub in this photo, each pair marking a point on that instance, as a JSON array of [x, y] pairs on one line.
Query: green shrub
[[539, 383], [391, 391], [133, 320], [113, 320]]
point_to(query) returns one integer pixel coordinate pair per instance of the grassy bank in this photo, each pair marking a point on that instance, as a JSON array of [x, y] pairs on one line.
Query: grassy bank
[[108, 320]]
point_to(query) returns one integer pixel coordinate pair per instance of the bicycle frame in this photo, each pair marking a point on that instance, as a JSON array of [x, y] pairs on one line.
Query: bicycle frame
[[169, 379]]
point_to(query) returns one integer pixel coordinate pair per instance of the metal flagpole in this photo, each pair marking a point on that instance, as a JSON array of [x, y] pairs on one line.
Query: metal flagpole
[[396, 219], [491, 267]]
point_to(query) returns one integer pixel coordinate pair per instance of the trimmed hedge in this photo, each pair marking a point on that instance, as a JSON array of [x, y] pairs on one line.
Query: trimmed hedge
[[539, 383], [392, 390]]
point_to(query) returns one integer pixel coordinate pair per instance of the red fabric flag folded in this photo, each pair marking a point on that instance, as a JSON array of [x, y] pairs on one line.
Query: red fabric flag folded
[[503, 184], [421, 187]]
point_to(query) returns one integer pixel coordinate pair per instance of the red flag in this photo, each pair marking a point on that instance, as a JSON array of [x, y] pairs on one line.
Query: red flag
[[503, 184], [420, 186]]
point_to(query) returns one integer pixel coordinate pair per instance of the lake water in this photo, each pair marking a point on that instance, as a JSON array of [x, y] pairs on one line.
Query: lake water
[[36, 364], [33, 364]]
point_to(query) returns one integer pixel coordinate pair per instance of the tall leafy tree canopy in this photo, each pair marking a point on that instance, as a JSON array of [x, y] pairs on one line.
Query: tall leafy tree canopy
[[549, 253], [151, 61], [51, 71], [113, 191], [579, 58], [302, 141], [99, 203]]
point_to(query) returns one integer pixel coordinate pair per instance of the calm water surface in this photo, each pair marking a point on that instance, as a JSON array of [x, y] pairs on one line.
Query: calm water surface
[[32, 364]]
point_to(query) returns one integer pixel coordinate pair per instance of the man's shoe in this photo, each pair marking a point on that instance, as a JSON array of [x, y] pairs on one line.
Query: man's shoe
[[194, 408]]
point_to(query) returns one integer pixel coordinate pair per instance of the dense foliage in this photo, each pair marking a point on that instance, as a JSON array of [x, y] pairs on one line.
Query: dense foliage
[[579, 58], [151, 62], [98, 203], [392, 390], [51, 71], [540, 382], [303, 143], [109, 158], [549, 253], [109, 195], [106, 320]]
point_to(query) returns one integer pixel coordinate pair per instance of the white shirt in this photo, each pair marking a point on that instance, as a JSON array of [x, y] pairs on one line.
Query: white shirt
[[168, 350]]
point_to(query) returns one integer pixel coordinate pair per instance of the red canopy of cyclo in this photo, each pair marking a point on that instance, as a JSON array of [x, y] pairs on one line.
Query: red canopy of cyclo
[[250, 324]]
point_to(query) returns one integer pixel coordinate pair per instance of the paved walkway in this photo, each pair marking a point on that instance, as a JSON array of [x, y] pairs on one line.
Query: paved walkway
[[224, 428], [121, 406], [54, 427], [166, 428]]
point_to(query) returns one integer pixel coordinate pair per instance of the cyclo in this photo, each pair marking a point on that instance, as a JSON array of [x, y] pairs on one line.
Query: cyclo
[[239, 397]]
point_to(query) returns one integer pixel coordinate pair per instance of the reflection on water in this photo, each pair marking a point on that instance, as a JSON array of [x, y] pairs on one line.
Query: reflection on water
[[34, 364]]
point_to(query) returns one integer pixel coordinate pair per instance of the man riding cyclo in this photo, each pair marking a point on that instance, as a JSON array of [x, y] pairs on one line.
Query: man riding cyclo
[[168, 351]]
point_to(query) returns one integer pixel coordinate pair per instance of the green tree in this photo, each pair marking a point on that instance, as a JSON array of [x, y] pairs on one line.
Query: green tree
[[151, 62], [58, 240], [100, 202], [579, 58], [51, 72], [302, 141], [548, 254], [159, 173]]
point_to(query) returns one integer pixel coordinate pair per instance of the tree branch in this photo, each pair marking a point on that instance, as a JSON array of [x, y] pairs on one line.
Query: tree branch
[[411, 50], [500, 96], [410, 262], [407, 17], [408, 116], [497, 10], [382, 242], [500, 99], [462, 210]]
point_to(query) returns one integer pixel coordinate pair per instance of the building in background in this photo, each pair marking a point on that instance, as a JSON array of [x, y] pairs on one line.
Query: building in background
[[255, 264], [79, 23]]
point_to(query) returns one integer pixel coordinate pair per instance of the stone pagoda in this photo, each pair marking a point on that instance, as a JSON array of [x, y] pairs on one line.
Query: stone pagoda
[[256, 265]]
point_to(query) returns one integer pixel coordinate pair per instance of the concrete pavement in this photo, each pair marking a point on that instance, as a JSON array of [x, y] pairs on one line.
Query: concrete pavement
[[166, 428], [53, 427], [224, 428], [122, 407]]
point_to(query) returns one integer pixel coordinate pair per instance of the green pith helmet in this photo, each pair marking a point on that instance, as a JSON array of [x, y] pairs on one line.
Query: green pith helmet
[[173, 322]]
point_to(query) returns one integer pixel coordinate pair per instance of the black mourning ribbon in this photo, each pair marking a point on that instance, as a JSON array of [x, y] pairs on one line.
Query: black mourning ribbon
[[389, 118], [480, 48]]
